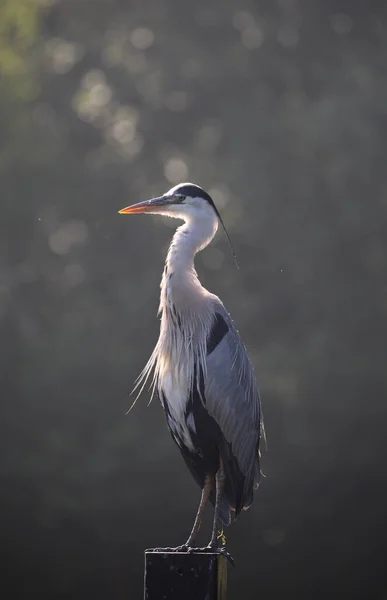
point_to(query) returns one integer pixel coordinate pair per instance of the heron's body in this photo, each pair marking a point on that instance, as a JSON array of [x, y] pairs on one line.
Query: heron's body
[[201, 370]]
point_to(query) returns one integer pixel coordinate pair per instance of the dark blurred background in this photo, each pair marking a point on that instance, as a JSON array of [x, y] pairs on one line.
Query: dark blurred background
[[279, 109]]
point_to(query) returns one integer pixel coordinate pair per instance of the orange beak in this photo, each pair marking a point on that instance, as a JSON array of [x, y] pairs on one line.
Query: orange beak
[[149, 206]]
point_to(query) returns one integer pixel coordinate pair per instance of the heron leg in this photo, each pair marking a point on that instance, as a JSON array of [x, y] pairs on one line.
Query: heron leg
[[220, 479], [206, 491]]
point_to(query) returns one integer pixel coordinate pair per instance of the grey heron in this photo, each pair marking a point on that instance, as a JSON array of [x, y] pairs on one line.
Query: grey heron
[[201, 370]]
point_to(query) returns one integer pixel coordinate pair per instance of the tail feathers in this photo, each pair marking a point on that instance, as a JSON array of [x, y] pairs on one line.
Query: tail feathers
[[228, 514], [257, 475], [239, 493]]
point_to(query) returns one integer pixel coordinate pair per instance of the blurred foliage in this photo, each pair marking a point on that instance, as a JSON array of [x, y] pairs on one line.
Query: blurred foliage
[[19, 29], [278, 109]]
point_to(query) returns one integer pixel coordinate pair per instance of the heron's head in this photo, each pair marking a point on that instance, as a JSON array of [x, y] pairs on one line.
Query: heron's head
[[184, 201]]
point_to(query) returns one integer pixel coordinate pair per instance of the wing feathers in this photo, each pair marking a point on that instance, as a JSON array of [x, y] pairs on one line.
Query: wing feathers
[[232, 399]]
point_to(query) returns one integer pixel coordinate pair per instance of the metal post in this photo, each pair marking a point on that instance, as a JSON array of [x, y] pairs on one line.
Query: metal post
[[185, 576]]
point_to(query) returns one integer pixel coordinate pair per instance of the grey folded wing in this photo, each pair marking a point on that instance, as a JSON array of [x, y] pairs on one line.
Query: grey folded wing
[[232, 399]]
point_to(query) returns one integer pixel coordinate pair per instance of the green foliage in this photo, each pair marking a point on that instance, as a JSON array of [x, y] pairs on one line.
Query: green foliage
[[19, 30]]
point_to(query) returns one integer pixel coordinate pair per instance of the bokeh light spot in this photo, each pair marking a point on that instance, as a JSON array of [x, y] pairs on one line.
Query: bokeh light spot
[[100, 94], [176, 170], [124, 131], [341, 23], [92, 78], [219, 196], [142, 38], [63, 54], [252, 37], [69, 234]]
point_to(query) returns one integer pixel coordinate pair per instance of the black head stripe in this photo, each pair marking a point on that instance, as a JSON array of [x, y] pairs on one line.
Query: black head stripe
[[191, 190]]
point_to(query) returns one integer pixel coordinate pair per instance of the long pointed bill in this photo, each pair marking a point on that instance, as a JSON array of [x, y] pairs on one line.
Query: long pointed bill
[[144, 207]]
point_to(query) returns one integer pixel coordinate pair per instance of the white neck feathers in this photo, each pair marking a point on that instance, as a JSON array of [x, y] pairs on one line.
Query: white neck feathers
[[189, 239], [187, 312], [180, 285]]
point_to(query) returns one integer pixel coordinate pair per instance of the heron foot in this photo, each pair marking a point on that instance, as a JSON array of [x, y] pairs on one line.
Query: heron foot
[[194, 550], [213, 549], [183, 548]]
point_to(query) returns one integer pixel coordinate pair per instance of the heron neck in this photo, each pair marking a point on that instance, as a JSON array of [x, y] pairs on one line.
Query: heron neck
[[189, 239], [180, 281]]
